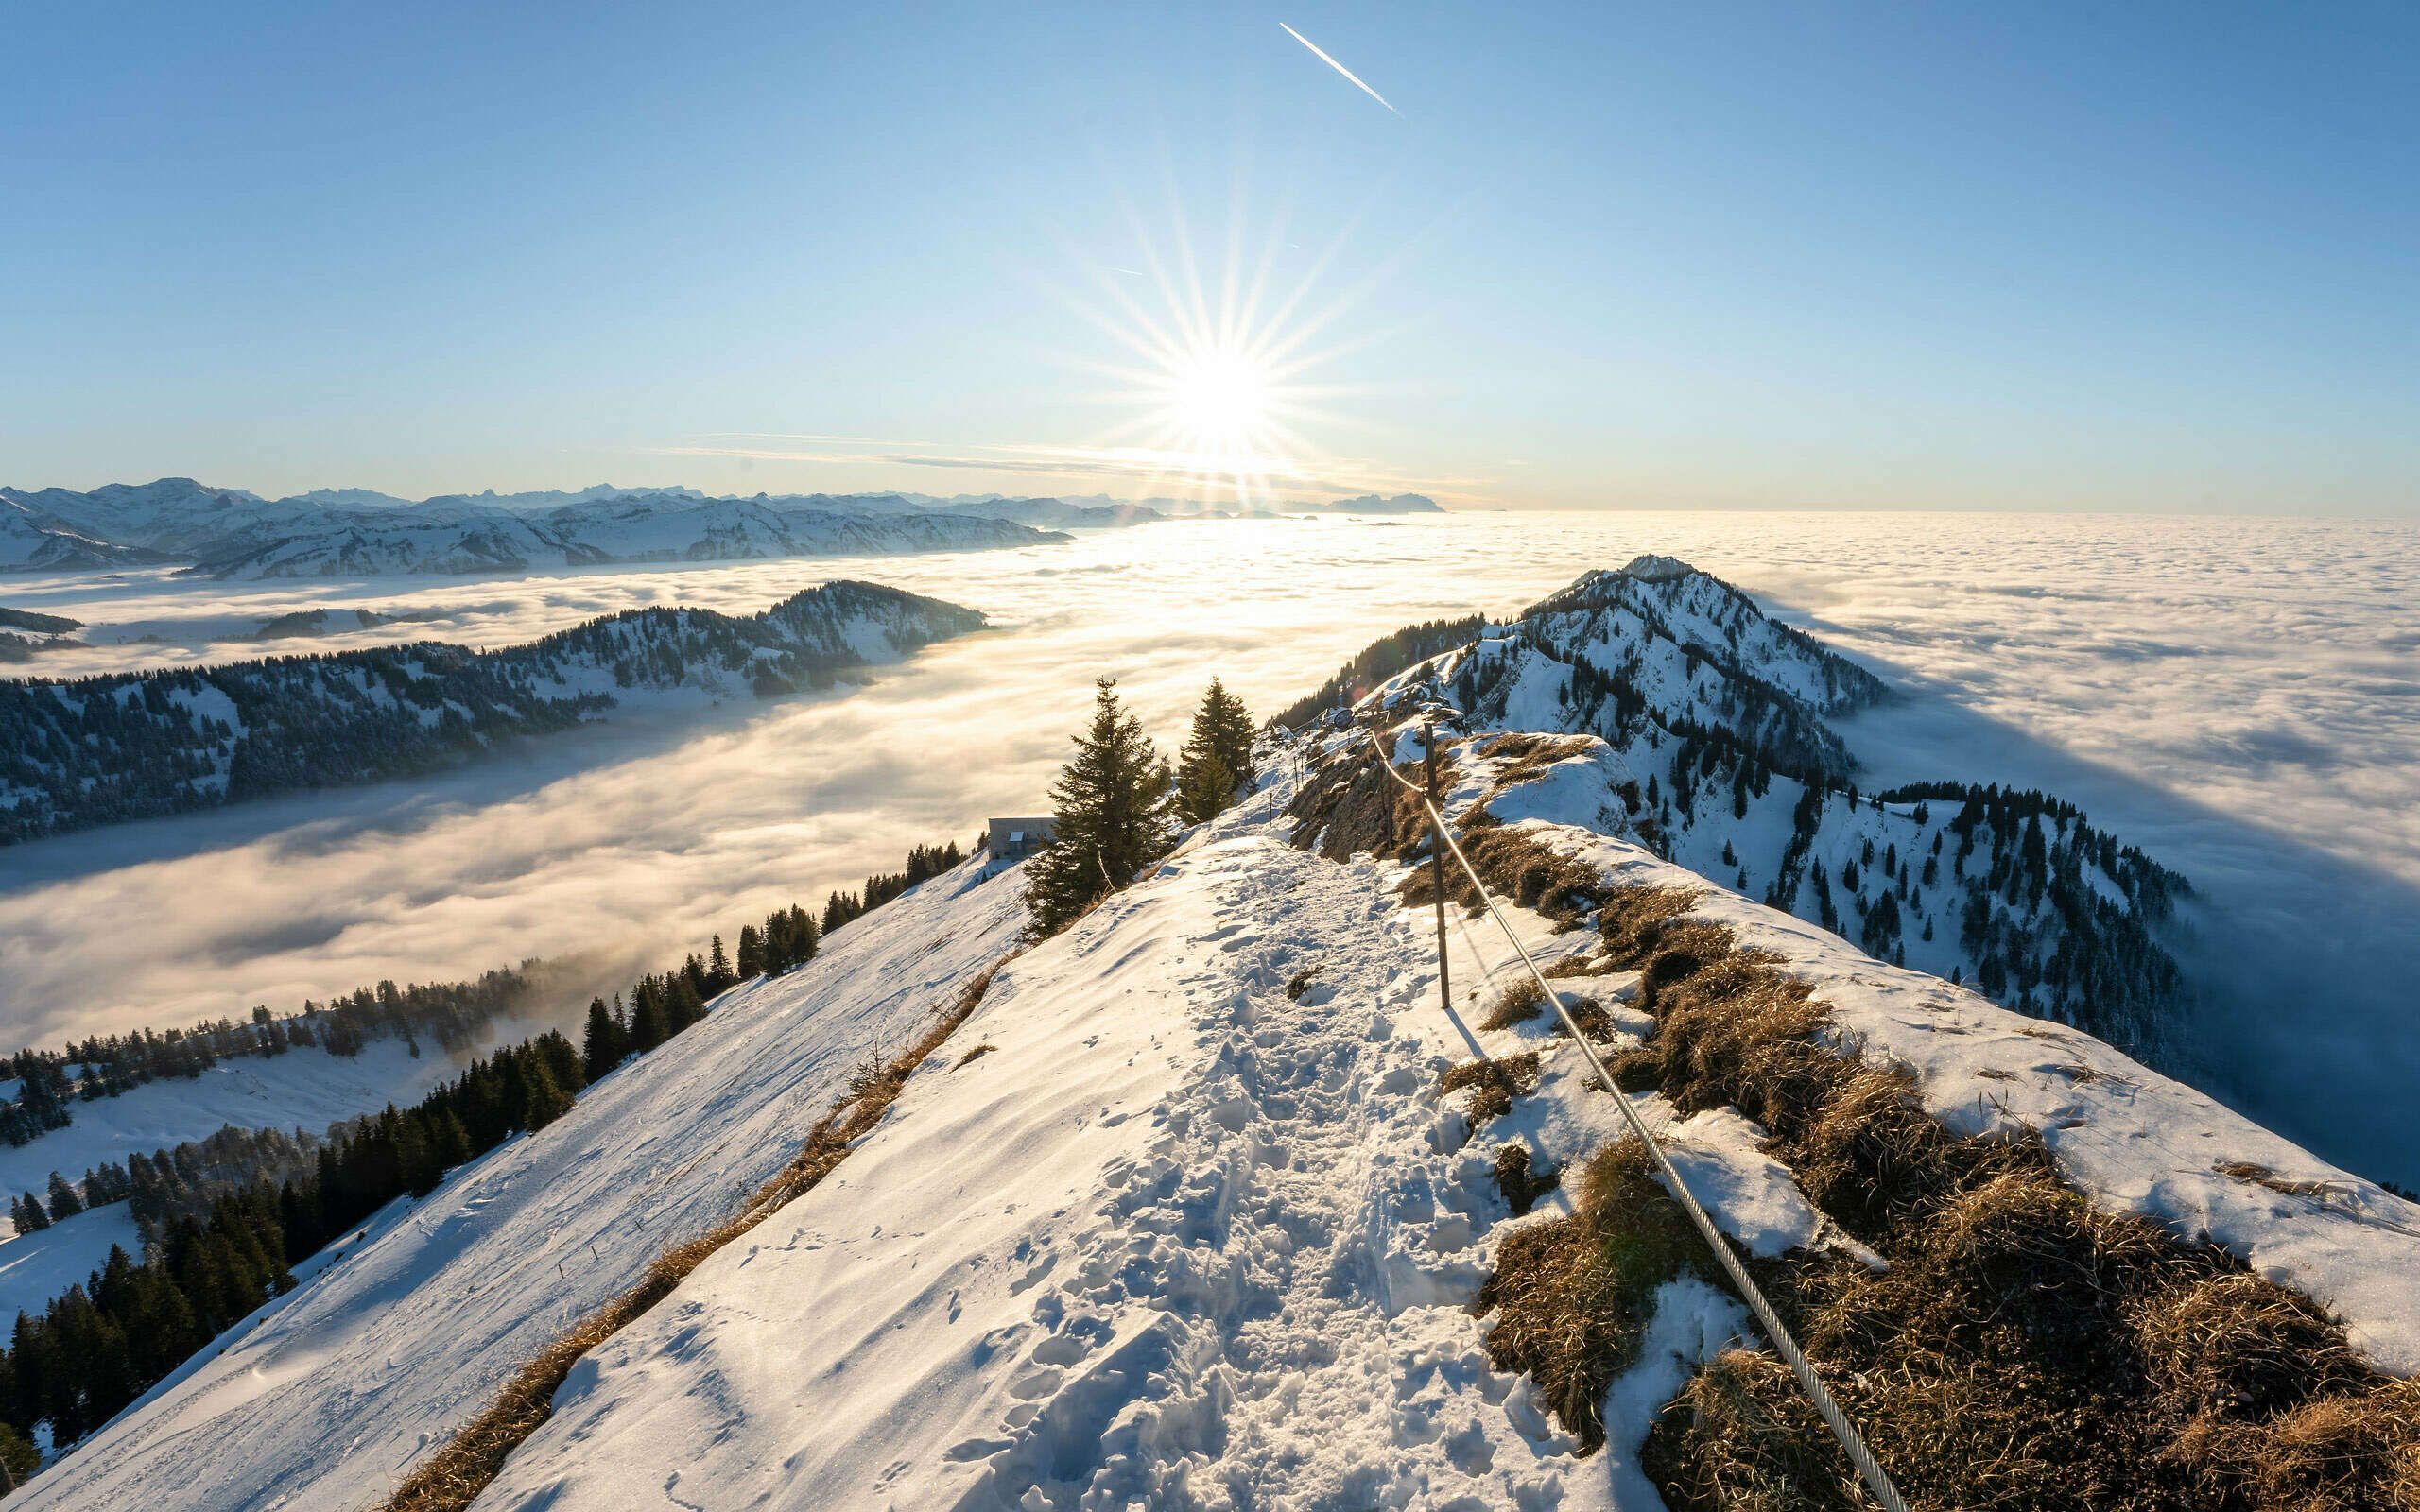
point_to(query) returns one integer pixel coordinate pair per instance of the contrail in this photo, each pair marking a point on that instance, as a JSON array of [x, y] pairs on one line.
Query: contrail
[[1339, 67]]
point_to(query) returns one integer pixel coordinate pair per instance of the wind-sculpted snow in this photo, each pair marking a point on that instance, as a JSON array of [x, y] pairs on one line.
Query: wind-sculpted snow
[[131, 745]]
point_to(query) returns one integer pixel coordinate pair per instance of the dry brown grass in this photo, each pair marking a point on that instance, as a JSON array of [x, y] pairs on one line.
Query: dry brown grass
[[1517, 865], [2260, 1176], [1302, 983], [1351, 805], [974, 1054], [1530, 754], [1518, 1003], [1571, 1298], [1592, 1017], [1497, 1082], [2023, 1349], [1632, 918], [1574, 966], [1521, 1180], [453, 1477]]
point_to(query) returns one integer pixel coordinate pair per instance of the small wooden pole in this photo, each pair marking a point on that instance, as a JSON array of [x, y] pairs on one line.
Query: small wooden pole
[[1437, 859]]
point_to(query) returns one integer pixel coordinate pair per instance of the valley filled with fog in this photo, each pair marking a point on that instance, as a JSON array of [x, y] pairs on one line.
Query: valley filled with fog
[[2239, 696]]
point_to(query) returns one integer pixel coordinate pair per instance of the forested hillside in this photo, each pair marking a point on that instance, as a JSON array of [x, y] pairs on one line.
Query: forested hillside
[[128, 746]]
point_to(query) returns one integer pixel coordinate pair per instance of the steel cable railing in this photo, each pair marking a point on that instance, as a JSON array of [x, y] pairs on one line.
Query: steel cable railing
[[1868, 1468]]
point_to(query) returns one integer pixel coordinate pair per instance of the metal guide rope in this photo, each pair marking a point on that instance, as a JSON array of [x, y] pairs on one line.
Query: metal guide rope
[[1868, 1468]]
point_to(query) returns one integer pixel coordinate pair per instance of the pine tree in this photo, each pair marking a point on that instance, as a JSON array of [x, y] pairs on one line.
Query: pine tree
[[65, 1203], [751, 953], [720, 976], [1231, 728], [602, 1047], [1204, 787], [1216, 759], [648, 1026], [683, 1005], [1110, 817], [546, 1099]]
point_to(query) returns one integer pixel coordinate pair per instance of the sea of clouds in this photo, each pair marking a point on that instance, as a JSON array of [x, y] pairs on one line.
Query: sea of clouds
[[2241, 698]]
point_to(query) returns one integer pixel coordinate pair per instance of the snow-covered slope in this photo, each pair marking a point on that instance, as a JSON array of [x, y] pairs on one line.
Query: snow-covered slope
[[37, 1267], [333, 1392], [1194, 1229]]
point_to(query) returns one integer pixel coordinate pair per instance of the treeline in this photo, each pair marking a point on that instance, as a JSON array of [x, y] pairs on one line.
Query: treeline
[[924, 862], [455, 1014], [1380, 660], [235, 1212]]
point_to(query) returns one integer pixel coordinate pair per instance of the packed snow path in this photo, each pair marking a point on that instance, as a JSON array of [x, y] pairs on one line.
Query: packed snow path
[[1183, 1240]]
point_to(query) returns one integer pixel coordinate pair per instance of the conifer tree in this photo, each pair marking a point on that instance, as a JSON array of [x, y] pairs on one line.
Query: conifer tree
[[720, 976], [65, 1203], [751, 953], [647, 1025], [546, 1099], [602, 1047], [1110, 817], [1216, 760], [1230, 725], [804, 936], [683, 1005]]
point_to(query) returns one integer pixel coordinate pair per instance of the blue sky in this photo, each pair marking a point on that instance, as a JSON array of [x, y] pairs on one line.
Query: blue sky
[[2059, 257]]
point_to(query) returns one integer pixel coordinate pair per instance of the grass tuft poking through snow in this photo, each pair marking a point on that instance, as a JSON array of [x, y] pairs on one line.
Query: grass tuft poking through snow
[[451, 1478], [1516, 865], [1496, 1081], [1521, 1181], [1518, 1003], [1573, 1296]]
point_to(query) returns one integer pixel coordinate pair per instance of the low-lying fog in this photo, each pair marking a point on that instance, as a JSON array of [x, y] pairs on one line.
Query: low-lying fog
[[2241, 697]]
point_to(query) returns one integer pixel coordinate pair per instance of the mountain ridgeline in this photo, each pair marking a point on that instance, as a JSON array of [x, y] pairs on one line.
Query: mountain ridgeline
[[232, 533], [128, 746], [1660, 703]]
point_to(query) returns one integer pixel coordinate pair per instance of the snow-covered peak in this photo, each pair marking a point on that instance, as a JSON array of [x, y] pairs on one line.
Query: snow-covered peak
[[1649, 568]]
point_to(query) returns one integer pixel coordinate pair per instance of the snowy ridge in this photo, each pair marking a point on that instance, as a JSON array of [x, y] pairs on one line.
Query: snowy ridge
[[1688, 721], [135, 745]]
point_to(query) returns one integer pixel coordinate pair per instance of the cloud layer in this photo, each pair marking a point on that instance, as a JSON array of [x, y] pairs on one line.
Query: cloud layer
[[2236, 695]]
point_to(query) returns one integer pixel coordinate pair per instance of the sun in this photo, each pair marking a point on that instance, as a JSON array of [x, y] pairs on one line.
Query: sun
[[1224, 366], [1219, 402]]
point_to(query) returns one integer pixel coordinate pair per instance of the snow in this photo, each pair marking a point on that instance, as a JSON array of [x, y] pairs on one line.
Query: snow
[[1178, 1241], [39, 1266]]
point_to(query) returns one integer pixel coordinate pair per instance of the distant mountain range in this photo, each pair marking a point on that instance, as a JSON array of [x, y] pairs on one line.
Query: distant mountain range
[[138, 744], [234, 533]]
